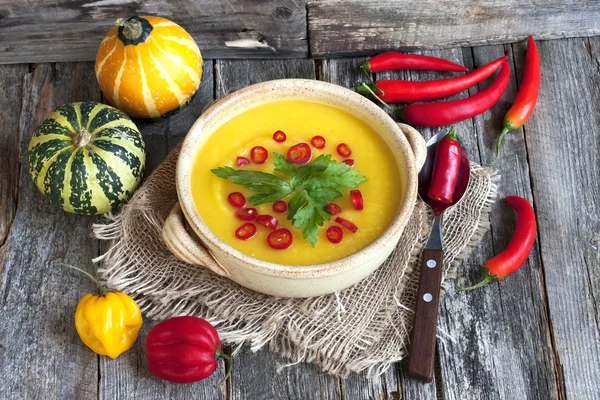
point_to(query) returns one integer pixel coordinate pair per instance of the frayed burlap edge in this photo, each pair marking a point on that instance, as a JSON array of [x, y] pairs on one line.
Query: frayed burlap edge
[[365, 327]]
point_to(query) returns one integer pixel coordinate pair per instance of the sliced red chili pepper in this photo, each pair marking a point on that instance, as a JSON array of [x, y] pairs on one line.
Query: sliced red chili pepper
[[519, 247], [392, 61], [246, 231], [349, 161], [241, 161], [280, 206], [279, 136], [259, 154], [357, 199], [334, 209], [280, 239], [346, 224], [446, 166], [299, 153], [318, 142], [445, 113], [236, 199], [267, 220], [246, 214], [403, 91], [334, 234], [344, 150]]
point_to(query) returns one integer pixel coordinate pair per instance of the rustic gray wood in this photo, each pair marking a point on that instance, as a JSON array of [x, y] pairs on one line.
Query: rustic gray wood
[[255, 375], [41, 354], [72, 30], [563, 145], [11, 89], [342, 28], [128, 376]]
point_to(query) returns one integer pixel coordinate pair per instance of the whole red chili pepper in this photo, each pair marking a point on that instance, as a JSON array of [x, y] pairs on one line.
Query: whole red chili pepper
[[448, 112], [392, 61], [527, 95], [445, 169], [402, 91], [519, 247], [184, 350]]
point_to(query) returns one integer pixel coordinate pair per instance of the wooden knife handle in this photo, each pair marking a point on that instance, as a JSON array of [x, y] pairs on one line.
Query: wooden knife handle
[[420, 363]]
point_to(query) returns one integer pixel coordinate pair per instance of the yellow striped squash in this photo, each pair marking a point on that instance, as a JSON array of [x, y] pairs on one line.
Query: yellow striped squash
[[88, 158], [148, 66]]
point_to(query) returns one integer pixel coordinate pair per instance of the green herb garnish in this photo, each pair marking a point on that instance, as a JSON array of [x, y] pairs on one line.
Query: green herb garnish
[[310, 186]]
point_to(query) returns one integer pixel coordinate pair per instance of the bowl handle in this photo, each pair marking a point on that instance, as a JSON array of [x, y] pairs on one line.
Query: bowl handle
[[417, 144], [186, 248]]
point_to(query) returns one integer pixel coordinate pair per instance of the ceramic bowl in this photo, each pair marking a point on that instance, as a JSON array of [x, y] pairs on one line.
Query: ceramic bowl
[[198, 245]]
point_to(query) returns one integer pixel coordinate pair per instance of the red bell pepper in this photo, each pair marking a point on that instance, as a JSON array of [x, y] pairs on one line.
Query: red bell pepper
[[184, 350]]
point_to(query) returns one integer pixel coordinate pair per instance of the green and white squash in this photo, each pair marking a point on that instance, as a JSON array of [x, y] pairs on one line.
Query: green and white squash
[[88, 158]]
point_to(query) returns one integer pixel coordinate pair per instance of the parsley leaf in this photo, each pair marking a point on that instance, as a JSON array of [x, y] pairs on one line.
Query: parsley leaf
[[311, 187]]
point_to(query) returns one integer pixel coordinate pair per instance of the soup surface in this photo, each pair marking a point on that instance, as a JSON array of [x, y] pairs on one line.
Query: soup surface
[[300, 121]]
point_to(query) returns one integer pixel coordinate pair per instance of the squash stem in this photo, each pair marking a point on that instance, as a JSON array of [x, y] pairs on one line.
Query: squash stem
[[132, 28], [82, 138]]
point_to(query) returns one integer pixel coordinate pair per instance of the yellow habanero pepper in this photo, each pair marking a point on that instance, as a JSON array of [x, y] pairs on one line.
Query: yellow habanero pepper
[[108, 323]]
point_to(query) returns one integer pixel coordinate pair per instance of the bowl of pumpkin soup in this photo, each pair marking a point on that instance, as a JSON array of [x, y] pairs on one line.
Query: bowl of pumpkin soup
[[293, 188]]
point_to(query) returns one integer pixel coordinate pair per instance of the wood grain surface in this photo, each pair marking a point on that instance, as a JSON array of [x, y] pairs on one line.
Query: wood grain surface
[[71, 30], [338, 27], [534, 335]]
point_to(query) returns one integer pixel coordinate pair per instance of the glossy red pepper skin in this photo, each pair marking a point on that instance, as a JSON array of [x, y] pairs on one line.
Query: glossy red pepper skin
[[449, 112], [183, 349], [446, 166], [392, 61], [526, 97], [519, 247], [402, 91]]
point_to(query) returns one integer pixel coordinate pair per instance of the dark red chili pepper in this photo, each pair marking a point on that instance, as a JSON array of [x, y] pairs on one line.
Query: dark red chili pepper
[[445, 169], [527, 96], [184, 350], [392, 61], [401, 91], [448, 112], [519, 247]]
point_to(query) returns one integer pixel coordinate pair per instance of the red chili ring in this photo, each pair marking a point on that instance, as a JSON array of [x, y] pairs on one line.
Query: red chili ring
[[334, 209], [334, 234], [236, 199], [259, 154], [346, 224], [279, 136], [268, 221], [280, 206], [241, 161], [357, 199], [349, 161], [280, 239], [299, 153], [246, 214], [318, 142], [344, 150], [246, 231]]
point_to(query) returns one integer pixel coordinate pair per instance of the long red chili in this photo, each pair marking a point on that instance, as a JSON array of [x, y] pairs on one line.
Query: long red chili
[[527, 95], [392, 61], [518, 249], [448, 112], [402, 91], [184, 349], [445, 169]]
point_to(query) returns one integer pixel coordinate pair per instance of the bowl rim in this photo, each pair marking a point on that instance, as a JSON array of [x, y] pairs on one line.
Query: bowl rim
[[188, 152]]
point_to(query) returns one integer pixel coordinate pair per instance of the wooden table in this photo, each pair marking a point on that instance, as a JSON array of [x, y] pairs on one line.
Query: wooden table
[[535, 335]]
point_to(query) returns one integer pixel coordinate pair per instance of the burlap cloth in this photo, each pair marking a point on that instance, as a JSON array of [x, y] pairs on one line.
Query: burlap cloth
[[364, 327]]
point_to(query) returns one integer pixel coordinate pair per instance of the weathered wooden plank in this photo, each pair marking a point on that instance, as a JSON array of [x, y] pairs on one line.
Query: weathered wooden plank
[[42, 354], [128, 376], [68, 30], [341, 28], [254, 374], [502, 346], [346, 72], [563, 144], [11, 79]]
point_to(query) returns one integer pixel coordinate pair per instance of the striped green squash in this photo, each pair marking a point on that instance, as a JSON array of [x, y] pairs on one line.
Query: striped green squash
[[88, 158]]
